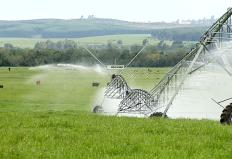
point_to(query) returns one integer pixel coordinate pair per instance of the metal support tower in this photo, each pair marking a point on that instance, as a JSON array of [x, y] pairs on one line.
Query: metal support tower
[[160, 98]]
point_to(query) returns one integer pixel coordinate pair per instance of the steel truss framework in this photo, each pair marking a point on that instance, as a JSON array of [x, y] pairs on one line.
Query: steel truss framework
[[160, 98], [140, 100], [117, 88]]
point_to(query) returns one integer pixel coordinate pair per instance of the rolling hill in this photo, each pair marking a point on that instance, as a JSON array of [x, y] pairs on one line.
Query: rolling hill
[[76, 28]]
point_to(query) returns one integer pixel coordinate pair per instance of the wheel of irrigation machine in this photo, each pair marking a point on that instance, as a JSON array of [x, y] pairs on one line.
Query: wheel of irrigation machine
[[97, 109], [157, 114], [226, 115]]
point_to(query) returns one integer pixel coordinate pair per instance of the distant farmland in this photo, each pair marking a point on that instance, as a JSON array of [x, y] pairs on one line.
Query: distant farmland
[[127, 39]]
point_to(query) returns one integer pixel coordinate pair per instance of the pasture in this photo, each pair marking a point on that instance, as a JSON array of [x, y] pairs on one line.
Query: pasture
[[53, 119], [62, 88], [127, 39]]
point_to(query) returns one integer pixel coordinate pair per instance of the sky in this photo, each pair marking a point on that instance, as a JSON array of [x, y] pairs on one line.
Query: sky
[[130, 10]]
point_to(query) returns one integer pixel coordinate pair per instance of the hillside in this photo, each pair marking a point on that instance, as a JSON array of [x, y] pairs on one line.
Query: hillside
[[76, 28]]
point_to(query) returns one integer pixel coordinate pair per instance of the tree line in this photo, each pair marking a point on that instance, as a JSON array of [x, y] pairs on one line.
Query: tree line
[[179, 34], [69, 51]]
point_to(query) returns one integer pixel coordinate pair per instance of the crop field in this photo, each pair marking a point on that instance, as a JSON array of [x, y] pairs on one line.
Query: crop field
[[53, 119]]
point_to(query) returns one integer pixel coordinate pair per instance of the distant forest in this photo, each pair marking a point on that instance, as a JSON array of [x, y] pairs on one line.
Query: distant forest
[[69, 52]]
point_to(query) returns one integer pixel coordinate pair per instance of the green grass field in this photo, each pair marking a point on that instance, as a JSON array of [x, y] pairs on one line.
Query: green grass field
[[127, 39], [54, 120], [62, 89]]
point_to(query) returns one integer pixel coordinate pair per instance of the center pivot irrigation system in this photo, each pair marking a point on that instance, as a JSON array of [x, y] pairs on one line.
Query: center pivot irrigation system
[[159, 99]]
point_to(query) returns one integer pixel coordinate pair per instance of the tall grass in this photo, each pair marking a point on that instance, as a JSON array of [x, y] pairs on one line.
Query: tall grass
[[54, 120]]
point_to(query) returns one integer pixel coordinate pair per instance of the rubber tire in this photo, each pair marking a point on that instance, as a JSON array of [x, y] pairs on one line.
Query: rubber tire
[[226, 115], [157, 114], [97, 109]]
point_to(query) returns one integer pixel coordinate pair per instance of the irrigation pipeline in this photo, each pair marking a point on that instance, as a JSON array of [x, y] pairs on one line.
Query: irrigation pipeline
[[132, 60], [94, 56]]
